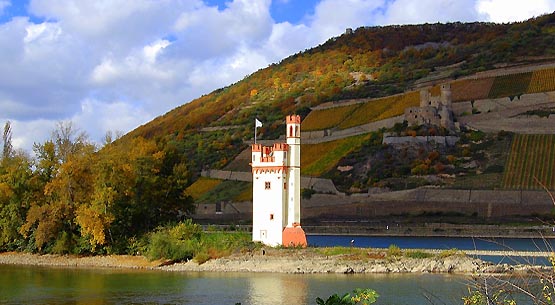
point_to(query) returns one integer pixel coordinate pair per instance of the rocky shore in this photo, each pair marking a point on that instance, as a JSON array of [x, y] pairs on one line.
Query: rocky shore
[[300, 261]]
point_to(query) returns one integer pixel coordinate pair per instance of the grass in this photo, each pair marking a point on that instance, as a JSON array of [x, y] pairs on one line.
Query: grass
[[318, 159], [417, 254], [392, 251], [450, 252]]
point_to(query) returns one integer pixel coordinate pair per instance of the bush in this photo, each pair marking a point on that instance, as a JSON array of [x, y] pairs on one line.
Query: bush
[[175, 243], [450, 252], [361, 296], [307, 193], [394, 250], [163, 246], [417, 254]]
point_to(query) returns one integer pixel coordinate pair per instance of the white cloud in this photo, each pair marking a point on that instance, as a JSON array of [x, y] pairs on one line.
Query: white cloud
[[332, 17], [513, 10], [101, 117], [115, 64], [41, 130], [428, 11], [152, 51]]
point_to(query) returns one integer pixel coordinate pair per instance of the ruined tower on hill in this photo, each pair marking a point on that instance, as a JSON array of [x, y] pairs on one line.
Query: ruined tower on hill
[[433, 110]]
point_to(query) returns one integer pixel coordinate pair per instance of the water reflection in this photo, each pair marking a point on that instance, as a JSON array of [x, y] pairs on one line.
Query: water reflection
[[268, 289], [36, 285]]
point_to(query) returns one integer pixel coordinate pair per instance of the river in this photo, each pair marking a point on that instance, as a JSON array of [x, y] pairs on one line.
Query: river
[[417, 242], [40, 285]]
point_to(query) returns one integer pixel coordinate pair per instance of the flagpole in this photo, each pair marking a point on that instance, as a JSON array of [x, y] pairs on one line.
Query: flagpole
[[257, 124]]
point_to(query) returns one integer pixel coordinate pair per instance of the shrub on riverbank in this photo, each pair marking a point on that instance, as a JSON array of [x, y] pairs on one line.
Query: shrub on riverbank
[[186, 240]]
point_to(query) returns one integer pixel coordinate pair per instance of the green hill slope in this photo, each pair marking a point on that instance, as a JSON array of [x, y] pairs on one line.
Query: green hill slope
[[372, 63]]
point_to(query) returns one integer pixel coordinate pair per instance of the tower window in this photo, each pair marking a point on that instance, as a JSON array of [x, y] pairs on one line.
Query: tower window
[[267, 185], [271, 216]]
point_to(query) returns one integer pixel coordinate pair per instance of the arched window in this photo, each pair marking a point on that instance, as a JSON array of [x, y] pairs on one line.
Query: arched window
[[296, 131], [290, 131]]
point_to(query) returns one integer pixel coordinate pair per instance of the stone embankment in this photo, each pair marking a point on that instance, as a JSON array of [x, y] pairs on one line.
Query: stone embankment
[[50, 260], [300, 261], [303, 261]]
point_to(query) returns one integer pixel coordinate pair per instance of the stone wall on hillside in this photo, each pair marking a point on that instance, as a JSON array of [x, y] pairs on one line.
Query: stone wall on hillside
[[320, 136], [511, 70], [483, 203], [440, 140], [320, 185], [508, 115]]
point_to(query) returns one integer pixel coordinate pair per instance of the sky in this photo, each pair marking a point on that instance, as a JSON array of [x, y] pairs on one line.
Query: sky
[[113, 65]]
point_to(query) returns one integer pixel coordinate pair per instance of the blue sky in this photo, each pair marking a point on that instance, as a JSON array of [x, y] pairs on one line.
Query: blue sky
[[112, 65], [292, 11]]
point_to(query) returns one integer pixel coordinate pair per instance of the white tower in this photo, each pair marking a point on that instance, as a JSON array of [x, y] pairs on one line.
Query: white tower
[[294, 170], [276, 190]]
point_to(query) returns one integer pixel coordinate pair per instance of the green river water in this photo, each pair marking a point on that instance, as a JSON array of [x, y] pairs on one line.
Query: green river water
[[41, 285]]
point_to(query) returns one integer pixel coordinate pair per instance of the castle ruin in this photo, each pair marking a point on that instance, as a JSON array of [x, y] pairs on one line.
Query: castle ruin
[[433, 110]]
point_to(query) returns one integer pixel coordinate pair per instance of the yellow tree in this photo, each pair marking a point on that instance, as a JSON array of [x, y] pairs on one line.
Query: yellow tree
[[64, 164]]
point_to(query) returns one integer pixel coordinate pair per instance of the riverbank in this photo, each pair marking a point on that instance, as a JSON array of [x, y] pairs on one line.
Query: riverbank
[[298, 261]]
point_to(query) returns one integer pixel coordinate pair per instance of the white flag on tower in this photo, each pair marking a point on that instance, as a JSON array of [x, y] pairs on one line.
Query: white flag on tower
[[257, 123]]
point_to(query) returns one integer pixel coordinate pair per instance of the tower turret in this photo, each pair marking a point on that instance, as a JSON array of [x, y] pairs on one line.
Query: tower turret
[[446, 95], [294, 173]]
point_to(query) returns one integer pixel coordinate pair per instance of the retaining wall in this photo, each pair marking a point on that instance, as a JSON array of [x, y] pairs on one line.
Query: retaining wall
[[483, 203]]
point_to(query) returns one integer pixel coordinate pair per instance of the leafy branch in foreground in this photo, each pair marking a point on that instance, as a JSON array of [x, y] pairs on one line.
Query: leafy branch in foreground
[[361, 296], [535, 288]]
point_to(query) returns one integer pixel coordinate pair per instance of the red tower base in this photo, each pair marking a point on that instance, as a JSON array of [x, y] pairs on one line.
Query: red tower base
[[294, 236]]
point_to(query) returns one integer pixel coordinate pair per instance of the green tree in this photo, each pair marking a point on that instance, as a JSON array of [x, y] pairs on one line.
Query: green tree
[[15, 193]]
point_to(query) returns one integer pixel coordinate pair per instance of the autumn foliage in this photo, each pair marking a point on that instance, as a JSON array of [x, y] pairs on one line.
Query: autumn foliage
[[74, 199]]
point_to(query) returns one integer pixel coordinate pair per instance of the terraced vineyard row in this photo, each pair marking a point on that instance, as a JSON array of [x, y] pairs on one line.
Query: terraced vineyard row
[[542, 81], [318, 159], [510, 85], [327, 118], [531, 156], [471, 89], [461, 90], [359, 114]]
